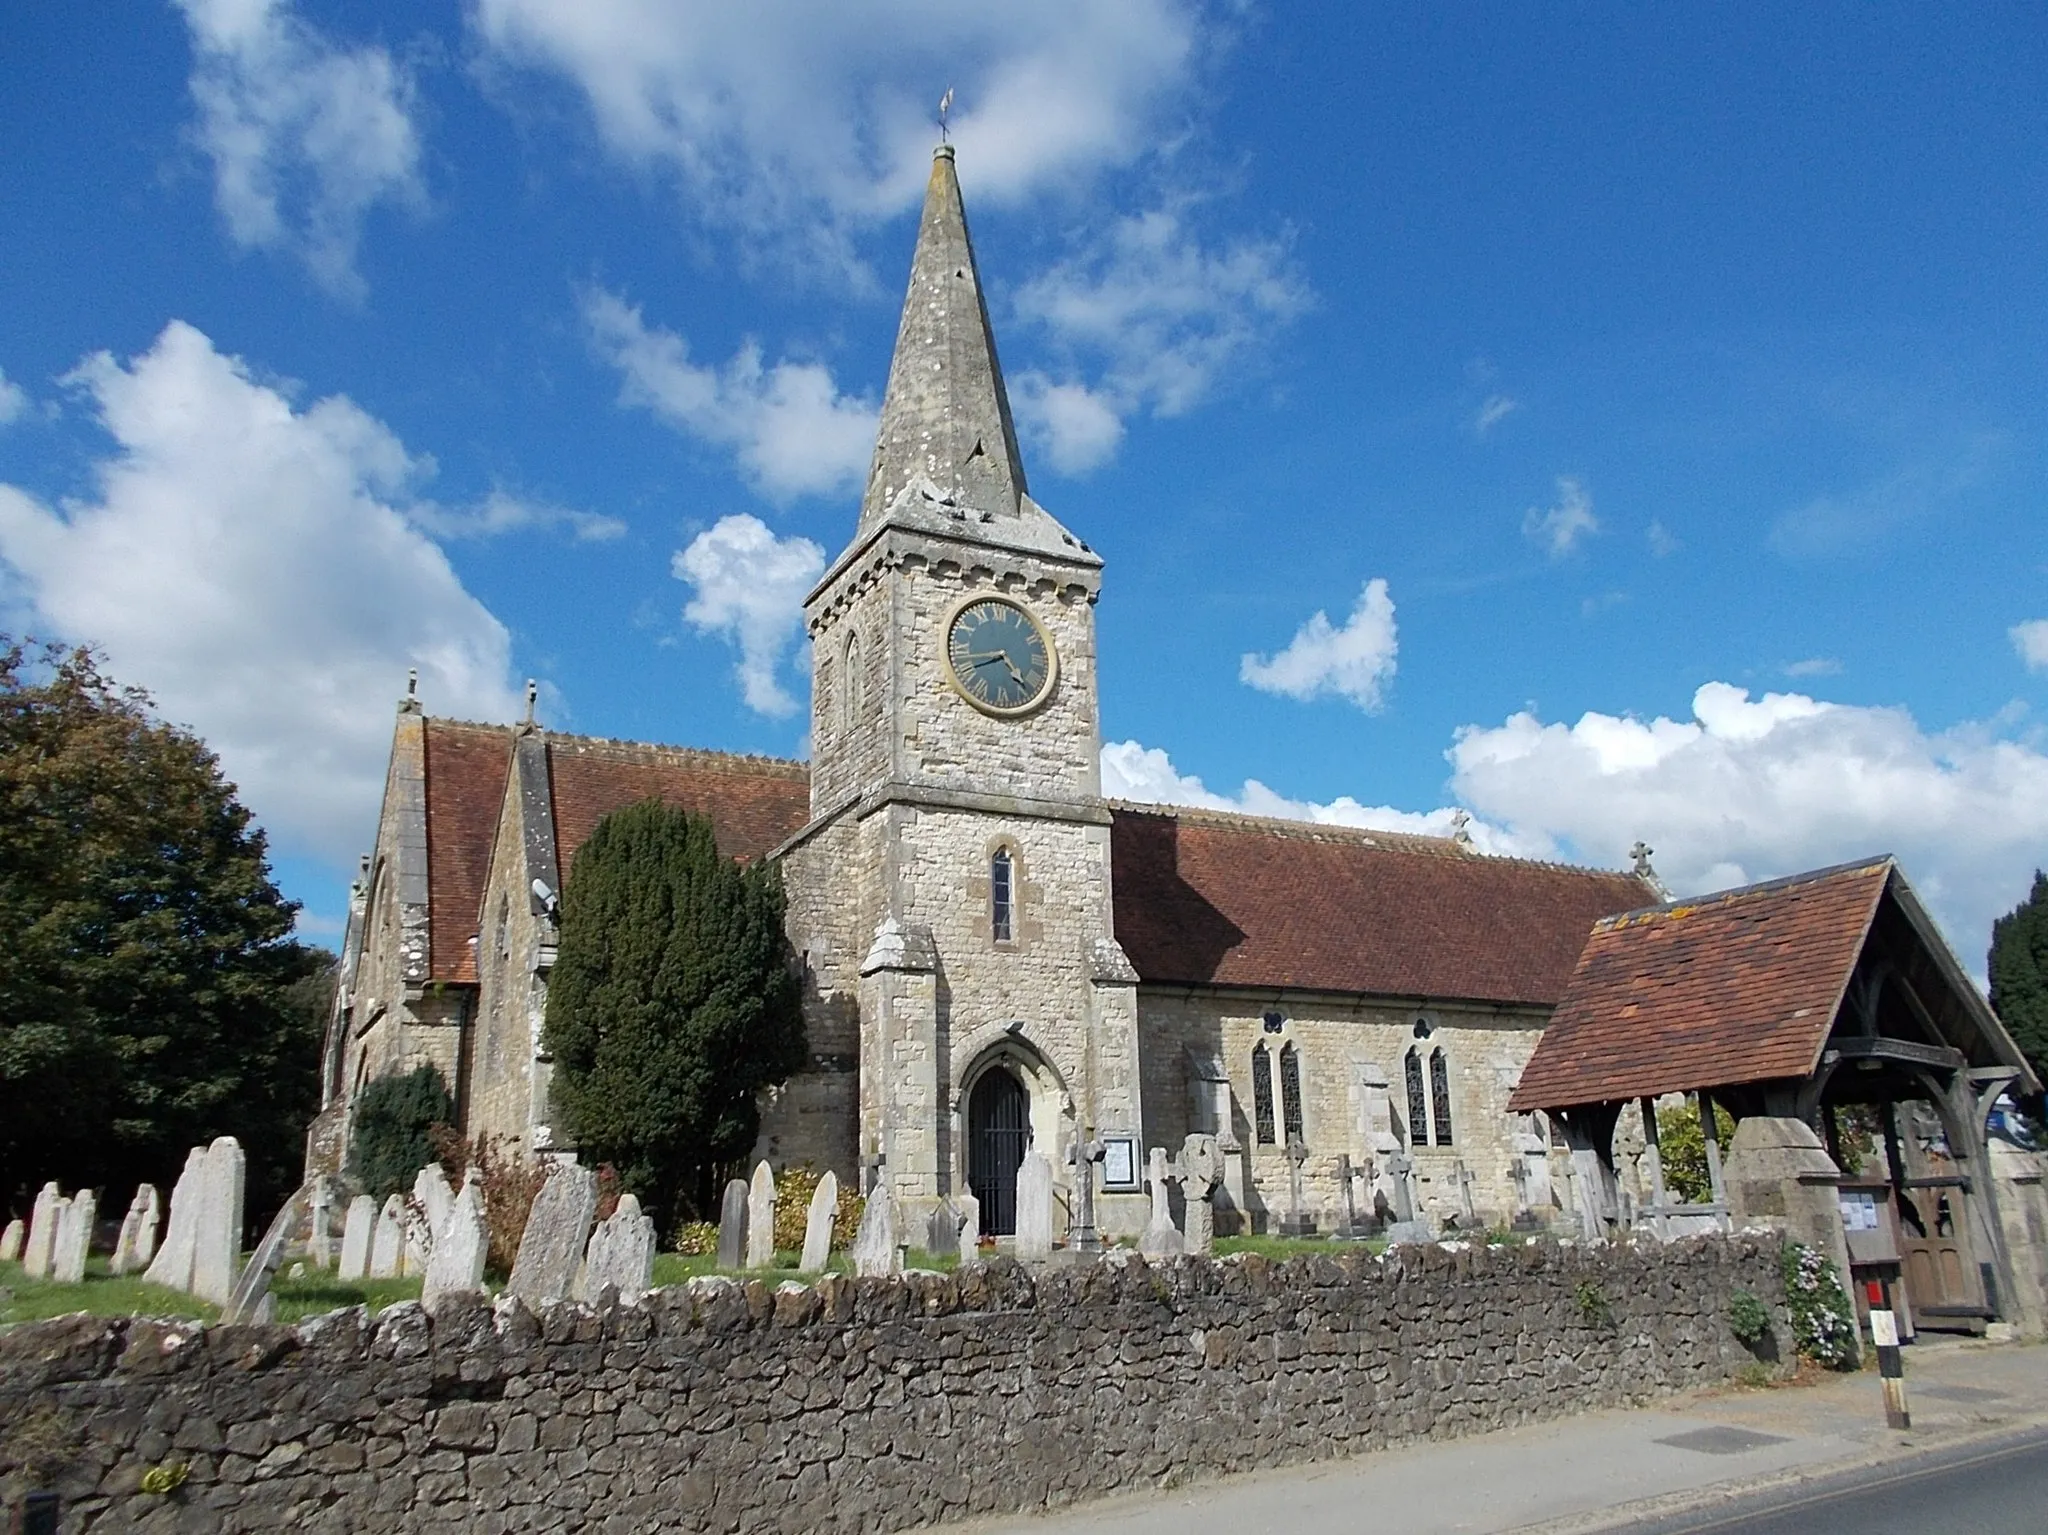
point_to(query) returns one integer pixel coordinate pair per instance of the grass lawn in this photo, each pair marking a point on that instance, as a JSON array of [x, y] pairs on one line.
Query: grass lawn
[[102, 1294], [1278, 1248]]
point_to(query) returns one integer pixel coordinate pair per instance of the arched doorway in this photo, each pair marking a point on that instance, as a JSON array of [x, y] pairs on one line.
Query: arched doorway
[[998, 1133]]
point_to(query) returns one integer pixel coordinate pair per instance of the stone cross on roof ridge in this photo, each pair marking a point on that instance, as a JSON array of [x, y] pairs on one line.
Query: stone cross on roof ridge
[[946, 415]]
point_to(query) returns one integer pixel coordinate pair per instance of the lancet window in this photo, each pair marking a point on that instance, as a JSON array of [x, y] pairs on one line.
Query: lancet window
[[1418, 1099], [1002, 877], [1440, 1095], [1290, 1092], [1262, 1094]]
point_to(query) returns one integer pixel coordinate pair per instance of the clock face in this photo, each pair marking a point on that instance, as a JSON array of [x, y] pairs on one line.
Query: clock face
[[999, 656]]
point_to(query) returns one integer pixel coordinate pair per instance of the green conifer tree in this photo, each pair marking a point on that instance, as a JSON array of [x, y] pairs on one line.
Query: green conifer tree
[[2019, 979], [673, 1004]]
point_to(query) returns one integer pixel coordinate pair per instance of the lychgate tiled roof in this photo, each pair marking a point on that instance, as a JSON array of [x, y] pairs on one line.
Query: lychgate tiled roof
[[1737, 987], [467, 766], [1211, 899]]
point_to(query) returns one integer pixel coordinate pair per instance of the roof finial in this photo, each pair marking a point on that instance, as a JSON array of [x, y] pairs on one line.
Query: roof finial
[[532, 693], [945, 108], [410, 704], [1461, 828], [1645, 871]]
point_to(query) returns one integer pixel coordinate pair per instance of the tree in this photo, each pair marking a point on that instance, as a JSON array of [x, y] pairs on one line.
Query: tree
[[673, 1005], [391, 1134], [151, 993], [2019, 980]]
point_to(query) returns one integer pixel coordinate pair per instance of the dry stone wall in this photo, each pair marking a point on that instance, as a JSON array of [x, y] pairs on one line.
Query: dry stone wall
[[855, 1405]]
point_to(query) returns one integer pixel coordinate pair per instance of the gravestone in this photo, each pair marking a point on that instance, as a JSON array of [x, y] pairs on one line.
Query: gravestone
[[43, 1219], [137, 1242], [252, 1288], [761, 1217], [1201, 1171], [1234, 1201], [1033, 1242], [621, 1254], [1348, 1228], [387, 1240], [461, 1242], [11, 1241], [1084, 1157], [320, 1240], [970, 1226], [818, 1225], [557, 1230], [217, 1223], [432, 1201], [1409, 1233], [172, 1265], [1401, 1170], [355, 1238], [1162, 1237], [942, 1229], [874, 1245], [1297, 1222], [74, 1237], [732, 1226], [1463, 1177]]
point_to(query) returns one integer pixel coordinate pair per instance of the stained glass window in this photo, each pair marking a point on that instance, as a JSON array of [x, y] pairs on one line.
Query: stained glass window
[[1290, 1092], [1262, 1094], [1418, 1102], [1000, 895], [1440, 1095]]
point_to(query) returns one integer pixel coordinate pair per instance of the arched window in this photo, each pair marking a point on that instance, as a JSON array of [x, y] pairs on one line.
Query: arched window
[[1418, 1100], [1290, 1092], [1440, 1095], [1001, 895], [1262, 1094], [850, 680]]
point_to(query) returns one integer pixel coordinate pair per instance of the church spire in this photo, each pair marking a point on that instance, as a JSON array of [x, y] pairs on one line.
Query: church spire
[[946, 416]]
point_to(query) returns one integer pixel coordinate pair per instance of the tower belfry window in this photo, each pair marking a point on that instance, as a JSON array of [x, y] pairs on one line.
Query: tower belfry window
[[1001, 896], [850, 680]]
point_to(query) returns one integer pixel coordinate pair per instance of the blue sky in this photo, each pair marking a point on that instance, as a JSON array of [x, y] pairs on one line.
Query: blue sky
[[1650, 402]]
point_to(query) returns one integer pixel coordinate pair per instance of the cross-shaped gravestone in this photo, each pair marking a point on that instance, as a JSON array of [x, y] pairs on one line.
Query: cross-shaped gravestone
[[871, 1167], [1347, 1223], [1465, 1180], [1400, 1166], [1081, 1234], [1162, 1237], [1200, 1170], [1297, 1223], [1518, 1171]]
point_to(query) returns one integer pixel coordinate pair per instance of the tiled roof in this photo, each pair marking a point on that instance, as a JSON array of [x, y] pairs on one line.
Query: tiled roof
[[753, 802], [1737, 987], [467, 766], [1204, 898]]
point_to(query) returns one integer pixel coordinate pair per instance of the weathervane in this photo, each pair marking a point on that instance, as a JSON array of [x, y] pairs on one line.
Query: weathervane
[[945, 106]]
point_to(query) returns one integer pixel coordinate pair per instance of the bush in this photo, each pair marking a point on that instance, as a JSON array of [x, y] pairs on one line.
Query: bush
[[794, 1187], [697, 1239], [1748, 1319], [1682, 1151], [1823, 1326], [511, 1183], [393, 1137]]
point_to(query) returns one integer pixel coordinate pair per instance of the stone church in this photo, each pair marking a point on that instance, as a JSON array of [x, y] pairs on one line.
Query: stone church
[[994, 954]]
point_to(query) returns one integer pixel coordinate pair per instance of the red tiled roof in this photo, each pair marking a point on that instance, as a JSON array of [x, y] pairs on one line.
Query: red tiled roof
[[1737, 987], [754, 802], [1227, 900], [466, 769]]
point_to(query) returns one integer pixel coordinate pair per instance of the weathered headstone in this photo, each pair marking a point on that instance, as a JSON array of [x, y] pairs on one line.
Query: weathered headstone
[[320, 1236], [1162, 1237], [461, 1242], [761, 1218], [556, 1232], [11, 1241], [1297, 1222], [137, 1242], [172, 1265], [387, 1239], [818, 1225], [621, 1254], [970, 1226], [43, 1220], [252, 1287], [1201, 1171], [1034, 1208], [432, 1201], [732, 1226], [942, 1229], [1468, 1212], [217, 1228], [1404, 1233], [1401, 1171], [74, 1237], [1347, 1200], [874, 1246], [355, 1238], [1084, 1157]]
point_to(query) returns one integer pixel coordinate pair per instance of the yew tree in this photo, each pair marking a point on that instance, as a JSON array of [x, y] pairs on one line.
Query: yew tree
[[2019, 979], [152, 996], [673, 1005]]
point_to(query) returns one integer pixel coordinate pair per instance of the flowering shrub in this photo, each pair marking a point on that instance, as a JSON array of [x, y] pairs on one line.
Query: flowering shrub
[[1823, 1326]]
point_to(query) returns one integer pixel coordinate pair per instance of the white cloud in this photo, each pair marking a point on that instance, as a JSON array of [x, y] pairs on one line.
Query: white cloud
[[2030, 640], [804, 117], [1814, 666], [255, 567], [1751, 789], [1498, 408], [750, 586], [1662, 541], [1560, 528], [794, 433], [500, 512], [1162, 316], [13, 400], [1354, 662], [1079, 428], [306, 135]]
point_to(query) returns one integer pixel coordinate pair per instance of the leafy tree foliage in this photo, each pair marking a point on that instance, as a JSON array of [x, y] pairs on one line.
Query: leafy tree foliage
[[2019, 978], [151, 994], [392, 1130], [672, 1006]]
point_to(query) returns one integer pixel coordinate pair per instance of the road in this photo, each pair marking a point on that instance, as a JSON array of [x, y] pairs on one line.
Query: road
[[1994, 1488]]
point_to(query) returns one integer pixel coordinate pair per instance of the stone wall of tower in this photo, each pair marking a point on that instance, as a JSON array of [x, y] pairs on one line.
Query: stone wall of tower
[[1184, 1031]]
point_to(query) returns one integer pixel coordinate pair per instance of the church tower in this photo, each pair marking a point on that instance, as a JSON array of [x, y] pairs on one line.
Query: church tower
[[951, 892]]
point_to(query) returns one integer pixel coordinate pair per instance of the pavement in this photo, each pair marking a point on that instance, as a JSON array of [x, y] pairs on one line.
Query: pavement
[[1609, 1470]]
